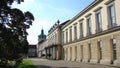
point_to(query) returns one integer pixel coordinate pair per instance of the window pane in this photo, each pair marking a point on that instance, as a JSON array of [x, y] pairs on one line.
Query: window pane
[[112, 15], [98, 26], [66, 36], [111, 8], [88, 26], [75, 32], [81, 30], [114, 43], [70, 34]]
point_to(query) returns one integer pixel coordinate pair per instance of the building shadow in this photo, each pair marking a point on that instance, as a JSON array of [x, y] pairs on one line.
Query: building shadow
[[44, 66]]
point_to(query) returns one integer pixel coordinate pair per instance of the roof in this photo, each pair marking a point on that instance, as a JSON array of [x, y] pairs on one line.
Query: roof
[[58, 26], [95, 2]]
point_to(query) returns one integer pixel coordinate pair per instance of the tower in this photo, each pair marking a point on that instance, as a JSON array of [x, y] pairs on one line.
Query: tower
[[41, 37]]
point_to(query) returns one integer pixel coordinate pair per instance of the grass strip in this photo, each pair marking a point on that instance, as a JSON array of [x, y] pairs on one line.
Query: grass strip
[[26, 64]]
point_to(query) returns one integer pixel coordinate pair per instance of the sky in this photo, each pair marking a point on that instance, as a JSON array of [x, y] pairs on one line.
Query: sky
[[47, 12]]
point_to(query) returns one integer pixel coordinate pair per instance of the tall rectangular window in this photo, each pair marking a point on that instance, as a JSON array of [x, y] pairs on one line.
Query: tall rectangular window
[[88, 26], [81, 52], [98, 22], [111, 16], [81, 30], [66, 36], [75, 32], [100, 49], [114, 49], [90, 52], [70, 34], [63, 37]]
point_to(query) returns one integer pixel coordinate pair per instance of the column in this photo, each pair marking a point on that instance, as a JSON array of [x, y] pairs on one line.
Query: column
[[59, 52], [86, 52], [106, 50], [73, 53], [78, 53], [118, 49], [53, 52], [65, 53], [94, 51], [81, 52], [69, 54]]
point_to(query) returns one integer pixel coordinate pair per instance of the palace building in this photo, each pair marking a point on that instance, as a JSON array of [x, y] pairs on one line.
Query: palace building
[[92, 36], [41, 44]]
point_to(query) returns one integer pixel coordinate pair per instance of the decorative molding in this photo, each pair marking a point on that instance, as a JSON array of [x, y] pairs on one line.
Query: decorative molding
[[88, 15], [117, 28], [81, 19], [94, 3], [108, 2], [97, 9]]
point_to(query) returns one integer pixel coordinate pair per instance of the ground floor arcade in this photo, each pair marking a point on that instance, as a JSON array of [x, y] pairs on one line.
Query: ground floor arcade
[[103, 49], [53, 52]]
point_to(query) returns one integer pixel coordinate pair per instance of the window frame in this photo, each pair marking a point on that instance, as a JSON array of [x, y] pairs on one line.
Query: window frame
[[98, 21], [75, 31], [66, 35], [70, 34], [109, 15], [81, 28], [89, 23]]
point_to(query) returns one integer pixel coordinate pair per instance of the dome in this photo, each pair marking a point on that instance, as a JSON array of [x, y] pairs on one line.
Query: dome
[[42, 35]]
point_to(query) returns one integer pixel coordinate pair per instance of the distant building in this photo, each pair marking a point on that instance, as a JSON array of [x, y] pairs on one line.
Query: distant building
[[54, 49], [32, 51], [40, 45], [41, 37]]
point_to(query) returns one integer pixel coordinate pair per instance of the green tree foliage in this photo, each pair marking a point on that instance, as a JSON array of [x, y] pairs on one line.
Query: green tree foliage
[[13, 26]]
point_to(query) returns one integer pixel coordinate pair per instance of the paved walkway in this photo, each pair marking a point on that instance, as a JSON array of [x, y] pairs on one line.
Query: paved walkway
[[44, 63]]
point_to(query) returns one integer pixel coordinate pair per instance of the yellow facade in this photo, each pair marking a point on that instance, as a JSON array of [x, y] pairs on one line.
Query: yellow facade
[[92, 36], [96, 45]]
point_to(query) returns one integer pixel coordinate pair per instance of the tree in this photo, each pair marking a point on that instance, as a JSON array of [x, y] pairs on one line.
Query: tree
[[13, 26]]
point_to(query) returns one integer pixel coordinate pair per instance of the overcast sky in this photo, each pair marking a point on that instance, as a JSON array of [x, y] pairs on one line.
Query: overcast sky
[[47, 12]]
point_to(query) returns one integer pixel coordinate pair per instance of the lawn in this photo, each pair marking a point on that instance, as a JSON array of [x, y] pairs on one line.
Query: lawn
[[26, 64]]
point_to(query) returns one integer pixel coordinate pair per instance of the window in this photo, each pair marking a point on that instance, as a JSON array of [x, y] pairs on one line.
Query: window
[[98, 22], [111, 15], [75, 52], [55, 38], [70, 34], [75, 32], [81, 30], [81, 52], [90, 52], [100, 49], [114, 49], [88, 26], [63, 37], [66, 36]]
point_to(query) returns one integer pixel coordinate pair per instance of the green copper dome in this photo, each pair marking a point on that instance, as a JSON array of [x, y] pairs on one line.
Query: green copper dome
[[42, 35]]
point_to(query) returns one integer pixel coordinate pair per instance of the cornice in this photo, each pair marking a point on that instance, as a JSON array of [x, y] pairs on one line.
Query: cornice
[[117, 28], [94, 3]]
